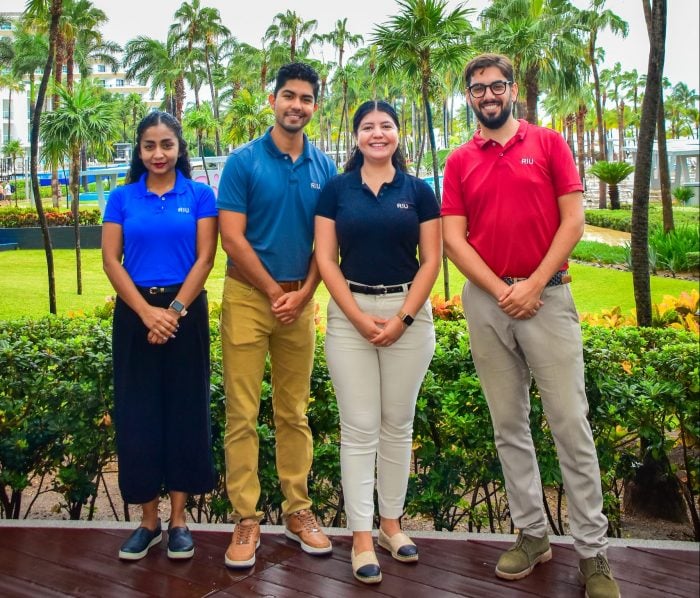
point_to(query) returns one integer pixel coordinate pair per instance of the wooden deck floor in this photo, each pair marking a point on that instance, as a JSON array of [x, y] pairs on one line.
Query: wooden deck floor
[[71, 561]]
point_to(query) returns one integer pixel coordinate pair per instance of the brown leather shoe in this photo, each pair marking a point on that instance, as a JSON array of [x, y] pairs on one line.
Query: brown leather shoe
[[246, 539], [303, 528]]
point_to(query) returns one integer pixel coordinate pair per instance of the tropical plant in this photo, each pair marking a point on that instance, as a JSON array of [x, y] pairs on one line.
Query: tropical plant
[[421, 41], [248, 115], [83, 117], [682, 194], [612, 173]]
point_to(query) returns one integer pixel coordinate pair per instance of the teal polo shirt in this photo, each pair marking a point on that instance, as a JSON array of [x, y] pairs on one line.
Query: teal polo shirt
[[279, 199]]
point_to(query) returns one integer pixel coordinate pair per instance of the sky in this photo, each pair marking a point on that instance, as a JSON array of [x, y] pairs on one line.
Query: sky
[[129, 18]]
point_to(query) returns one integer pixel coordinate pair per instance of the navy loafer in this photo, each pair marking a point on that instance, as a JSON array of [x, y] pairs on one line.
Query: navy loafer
[[180, 544], [137, 544]]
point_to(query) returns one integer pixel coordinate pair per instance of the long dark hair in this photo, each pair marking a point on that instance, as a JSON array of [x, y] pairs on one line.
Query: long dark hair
[[356, 159], [137, 167]]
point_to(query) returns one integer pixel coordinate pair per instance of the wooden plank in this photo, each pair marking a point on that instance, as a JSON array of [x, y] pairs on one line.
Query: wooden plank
[[78, 562]]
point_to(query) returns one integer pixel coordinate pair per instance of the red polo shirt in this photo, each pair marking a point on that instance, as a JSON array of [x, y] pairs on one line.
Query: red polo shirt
[[509, 195]]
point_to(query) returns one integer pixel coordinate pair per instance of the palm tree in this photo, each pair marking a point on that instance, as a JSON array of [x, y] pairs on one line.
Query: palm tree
[[83, 117], [541, 38], [132, 110], [612, 173], [681, 107], [80, 19], [248, 115], [614, 78], [200, 120], [31, 48], [202, 26], [422, 40], [48, 10], [593, 21], [162, 64], [290, 29], [340, 38]]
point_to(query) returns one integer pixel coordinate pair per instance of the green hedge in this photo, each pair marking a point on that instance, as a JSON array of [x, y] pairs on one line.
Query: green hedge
[[25, 217], [56, 400], [622, 219]]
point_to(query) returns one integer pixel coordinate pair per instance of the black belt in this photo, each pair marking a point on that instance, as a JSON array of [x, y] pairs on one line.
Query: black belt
[[379, 289], [561, 277], [159, 290]]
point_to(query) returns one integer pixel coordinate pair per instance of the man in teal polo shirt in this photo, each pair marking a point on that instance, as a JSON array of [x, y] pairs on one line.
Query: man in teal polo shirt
[[267, 200]]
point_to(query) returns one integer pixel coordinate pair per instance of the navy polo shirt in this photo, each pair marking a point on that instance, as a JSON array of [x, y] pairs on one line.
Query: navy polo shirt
[[378, 235], [160, 233], [279, 199]]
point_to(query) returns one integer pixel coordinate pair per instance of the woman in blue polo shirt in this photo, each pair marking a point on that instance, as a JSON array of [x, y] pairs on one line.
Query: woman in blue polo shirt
[[384, 226], [158, 243]]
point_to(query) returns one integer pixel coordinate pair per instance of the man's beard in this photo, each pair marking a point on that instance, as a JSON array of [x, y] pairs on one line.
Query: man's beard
[[496, 121]]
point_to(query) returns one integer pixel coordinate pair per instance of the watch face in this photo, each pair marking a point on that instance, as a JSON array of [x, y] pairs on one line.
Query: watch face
[[408, 320], [177, 306]]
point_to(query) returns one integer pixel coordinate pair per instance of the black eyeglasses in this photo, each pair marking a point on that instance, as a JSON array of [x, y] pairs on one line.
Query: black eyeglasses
[[498, 88]]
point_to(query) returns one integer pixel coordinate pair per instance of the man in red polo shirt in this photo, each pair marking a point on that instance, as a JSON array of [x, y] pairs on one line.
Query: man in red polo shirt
[[512, 212]]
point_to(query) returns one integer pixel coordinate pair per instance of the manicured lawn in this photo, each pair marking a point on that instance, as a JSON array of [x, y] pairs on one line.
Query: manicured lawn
[[24, 284]]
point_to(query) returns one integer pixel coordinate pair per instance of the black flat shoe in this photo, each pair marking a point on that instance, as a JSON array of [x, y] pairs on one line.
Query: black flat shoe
[[137, 544], [180, 544]]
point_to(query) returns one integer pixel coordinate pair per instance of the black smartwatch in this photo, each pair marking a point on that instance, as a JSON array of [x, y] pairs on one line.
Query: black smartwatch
[[178, 307], [405, 318]]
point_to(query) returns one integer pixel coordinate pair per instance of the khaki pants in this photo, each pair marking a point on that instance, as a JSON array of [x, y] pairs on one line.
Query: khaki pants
[[506, 352], [249, 332]]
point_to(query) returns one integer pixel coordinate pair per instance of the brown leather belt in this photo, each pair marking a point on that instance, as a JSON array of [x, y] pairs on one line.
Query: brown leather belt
[[287, 286]]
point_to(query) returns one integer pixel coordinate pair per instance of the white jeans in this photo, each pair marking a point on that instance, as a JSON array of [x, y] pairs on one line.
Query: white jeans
[[506, 353], [376, 389]]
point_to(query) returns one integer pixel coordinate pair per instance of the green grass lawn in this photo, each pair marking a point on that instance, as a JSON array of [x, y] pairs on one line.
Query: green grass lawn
[[24, 284]]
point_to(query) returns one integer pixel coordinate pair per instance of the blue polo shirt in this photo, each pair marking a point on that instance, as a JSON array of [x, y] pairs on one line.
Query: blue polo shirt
[[160, 233], [378, 235], [279, 199]]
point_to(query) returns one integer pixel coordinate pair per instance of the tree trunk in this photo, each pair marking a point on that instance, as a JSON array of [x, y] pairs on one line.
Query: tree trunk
[[75, 207], [532, 88], [656, 26], [436, 174], [614, 197], [56, 8], [621, 132], [602, 148], [664, 175], [580, 136]]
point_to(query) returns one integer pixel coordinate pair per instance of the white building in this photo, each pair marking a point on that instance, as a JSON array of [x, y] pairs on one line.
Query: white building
[[15, 106]]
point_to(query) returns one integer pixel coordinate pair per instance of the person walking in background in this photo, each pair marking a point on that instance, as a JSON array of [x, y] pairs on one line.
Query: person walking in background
[[380, 337], [512, 212], [267, 198], [158, 245]]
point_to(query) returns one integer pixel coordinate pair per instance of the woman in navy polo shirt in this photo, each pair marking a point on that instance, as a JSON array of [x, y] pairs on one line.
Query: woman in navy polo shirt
[[158, 244], [384, 225]]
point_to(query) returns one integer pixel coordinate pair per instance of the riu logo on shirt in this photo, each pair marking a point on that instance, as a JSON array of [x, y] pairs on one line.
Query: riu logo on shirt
[[402, 206], [315, 185], [527, 160], [184, 210]]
